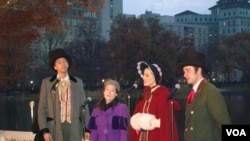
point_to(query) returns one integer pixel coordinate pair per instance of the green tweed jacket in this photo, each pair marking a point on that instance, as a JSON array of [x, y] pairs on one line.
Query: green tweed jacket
[[206, 114]]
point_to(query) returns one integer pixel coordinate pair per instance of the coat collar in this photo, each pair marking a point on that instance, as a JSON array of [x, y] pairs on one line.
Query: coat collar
[[72, 78], [201, 85]]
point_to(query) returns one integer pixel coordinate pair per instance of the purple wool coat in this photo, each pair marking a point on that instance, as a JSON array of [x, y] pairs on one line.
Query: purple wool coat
[[109, 125]]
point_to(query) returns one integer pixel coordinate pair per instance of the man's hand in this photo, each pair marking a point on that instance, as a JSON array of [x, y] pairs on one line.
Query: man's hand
[[47, 137], [86, 136]]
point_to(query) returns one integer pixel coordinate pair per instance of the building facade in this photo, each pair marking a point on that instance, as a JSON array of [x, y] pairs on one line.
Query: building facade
[[206, 31], [228, 17], [233, 16], [110, 10]]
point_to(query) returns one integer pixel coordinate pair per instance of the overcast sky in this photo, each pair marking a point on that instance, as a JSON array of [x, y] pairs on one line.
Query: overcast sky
[[167, 7]]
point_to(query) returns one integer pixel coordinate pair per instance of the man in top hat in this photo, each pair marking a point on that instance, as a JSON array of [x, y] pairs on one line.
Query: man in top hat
[[60, 102], [206, 109]]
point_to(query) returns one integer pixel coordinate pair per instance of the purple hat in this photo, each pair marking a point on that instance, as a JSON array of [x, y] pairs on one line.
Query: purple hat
[[153, 67]]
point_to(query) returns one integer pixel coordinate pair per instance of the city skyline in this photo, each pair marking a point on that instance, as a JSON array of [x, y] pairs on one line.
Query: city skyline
[[167, 7]]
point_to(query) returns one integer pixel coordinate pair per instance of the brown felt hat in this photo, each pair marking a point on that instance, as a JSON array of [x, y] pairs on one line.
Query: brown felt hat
[[194, 58], [113, 83]]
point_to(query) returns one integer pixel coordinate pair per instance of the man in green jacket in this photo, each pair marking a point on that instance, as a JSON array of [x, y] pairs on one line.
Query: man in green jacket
[[206, 110]]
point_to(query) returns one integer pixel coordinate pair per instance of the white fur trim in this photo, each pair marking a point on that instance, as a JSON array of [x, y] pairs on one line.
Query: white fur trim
[[148, 121], [134, 121], [140, 71], [158, 69], [139, 67], [156, 123]]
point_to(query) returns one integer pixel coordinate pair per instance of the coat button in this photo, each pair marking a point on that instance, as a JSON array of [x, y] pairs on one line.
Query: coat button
[[191, 128], [192, 112]]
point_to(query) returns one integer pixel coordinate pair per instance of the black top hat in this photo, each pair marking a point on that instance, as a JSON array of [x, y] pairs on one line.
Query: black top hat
[[194, 58], [58, 53]]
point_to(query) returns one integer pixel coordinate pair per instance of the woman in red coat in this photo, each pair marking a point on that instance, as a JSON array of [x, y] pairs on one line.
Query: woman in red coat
[[151, 119]]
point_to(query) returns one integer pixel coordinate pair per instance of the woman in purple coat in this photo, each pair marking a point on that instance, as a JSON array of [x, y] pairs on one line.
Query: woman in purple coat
[[109, 118]]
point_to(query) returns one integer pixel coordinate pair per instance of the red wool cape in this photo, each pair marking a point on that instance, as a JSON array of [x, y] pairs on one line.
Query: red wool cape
[[161, 108]]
